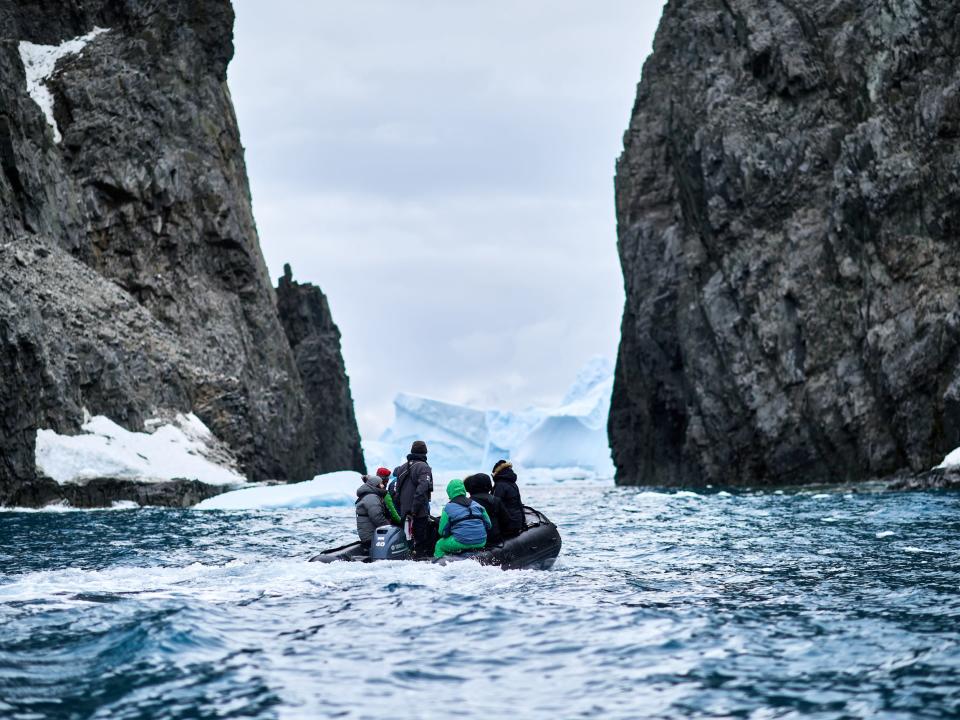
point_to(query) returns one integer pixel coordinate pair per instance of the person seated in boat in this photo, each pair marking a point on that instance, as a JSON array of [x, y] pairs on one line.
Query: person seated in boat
[[505, 488], [371, 508], [390, 499], [480, 487], [463, 523]]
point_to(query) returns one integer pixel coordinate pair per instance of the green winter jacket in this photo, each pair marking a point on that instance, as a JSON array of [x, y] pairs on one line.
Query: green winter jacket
[[392, 509]]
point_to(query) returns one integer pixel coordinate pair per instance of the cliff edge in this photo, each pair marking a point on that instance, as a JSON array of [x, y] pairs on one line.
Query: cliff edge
[[132, 284], [788, 231]]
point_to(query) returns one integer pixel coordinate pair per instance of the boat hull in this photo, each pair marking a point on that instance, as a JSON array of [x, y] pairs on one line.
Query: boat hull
[[536, 548]]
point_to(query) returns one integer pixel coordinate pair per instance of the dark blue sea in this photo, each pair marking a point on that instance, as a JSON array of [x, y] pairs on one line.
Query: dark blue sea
[[662, 605]]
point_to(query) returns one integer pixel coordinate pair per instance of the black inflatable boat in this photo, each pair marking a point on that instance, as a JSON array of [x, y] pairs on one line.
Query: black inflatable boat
[[535, 548]]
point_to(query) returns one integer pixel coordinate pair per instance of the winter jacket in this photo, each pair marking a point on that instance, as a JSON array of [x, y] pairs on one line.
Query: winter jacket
[[390, 500], [505, 488], [462, 518], [497, 514], [414, 485], [371, 511]]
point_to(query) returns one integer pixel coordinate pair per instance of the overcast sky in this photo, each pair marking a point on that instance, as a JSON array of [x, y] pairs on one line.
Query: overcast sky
[[443, 169]]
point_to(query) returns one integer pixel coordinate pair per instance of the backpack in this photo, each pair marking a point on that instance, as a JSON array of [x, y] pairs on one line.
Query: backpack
[[405, 474]]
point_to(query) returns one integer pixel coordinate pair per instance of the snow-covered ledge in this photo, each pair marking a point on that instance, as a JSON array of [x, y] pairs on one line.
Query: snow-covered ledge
[[181, 447], [951, 461], [39, 62]]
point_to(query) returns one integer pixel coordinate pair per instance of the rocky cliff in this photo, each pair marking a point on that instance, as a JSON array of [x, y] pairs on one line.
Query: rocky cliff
[[788, 230], [315, 341], [131, 277]]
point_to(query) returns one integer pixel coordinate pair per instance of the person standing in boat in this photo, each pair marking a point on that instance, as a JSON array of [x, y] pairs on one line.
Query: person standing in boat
[[505, 488], [371, 509], [480, 487], [463, 523], [414, 486]]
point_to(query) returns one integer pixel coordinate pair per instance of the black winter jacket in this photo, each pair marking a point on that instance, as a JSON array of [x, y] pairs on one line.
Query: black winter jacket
[[371, 512], [414, 485], [505, 488], [498, 516]]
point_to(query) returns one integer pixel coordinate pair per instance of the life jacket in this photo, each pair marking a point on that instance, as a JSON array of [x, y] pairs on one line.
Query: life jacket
[[465, 521]]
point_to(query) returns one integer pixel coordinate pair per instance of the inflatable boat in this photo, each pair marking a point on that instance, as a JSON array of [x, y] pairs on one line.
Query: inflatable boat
[[534, 548]]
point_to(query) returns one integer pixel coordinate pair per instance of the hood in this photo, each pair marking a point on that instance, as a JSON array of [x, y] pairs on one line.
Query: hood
[[455, 488], [371, 484]]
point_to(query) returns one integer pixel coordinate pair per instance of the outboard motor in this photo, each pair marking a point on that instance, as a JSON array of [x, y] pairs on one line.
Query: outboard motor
[[389, 543]]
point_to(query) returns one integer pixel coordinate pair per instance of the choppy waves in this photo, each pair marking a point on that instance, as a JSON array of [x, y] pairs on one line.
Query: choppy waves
[[661, 605]]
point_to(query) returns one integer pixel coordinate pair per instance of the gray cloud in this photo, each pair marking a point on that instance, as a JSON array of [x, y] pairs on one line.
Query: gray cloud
[[444, 171]]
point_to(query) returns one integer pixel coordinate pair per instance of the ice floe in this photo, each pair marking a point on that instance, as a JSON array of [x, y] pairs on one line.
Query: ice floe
[[338, 489]]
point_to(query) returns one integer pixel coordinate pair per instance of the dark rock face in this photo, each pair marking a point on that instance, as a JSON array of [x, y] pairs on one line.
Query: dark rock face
[[103, 492], [788, 229], [131, 277], [936, 479], [315, 339]]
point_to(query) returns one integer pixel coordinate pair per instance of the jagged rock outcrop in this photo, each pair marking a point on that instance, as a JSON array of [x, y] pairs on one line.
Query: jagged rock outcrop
[[788, 229], [104, 492], [315, 339], [131, 277]]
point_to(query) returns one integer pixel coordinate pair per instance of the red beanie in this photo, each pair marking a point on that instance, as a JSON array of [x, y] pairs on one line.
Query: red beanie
[[383, 472]]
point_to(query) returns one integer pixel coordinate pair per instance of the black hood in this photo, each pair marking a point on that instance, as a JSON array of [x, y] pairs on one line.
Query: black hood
[[505, 475]]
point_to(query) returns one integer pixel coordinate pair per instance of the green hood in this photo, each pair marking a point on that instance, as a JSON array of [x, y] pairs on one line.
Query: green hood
[[455, 488]]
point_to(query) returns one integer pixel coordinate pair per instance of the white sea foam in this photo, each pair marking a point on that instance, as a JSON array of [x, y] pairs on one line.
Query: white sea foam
[[885, 534], [62, 506], [238, 579]]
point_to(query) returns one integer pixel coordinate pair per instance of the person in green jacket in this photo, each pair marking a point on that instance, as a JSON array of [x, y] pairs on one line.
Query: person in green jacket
[[463, 523], [388, 500]]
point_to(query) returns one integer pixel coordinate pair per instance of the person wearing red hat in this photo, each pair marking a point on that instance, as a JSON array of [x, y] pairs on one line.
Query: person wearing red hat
[[390, 499]]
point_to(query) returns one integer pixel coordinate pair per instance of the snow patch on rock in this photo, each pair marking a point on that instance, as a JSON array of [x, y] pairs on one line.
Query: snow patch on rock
[[39, 62], [182, 447], [952, 460]]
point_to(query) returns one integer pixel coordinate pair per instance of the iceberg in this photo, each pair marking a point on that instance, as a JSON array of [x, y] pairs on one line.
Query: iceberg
[[571, 437], [574, 434], [455, 434], [338, 489]]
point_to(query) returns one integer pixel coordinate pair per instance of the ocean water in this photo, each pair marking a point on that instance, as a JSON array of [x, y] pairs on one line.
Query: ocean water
[[822, 605]]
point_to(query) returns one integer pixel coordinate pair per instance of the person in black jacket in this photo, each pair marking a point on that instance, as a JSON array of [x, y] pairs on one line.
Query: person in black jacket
[[480, 486], [505, 488], [414, 485]]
